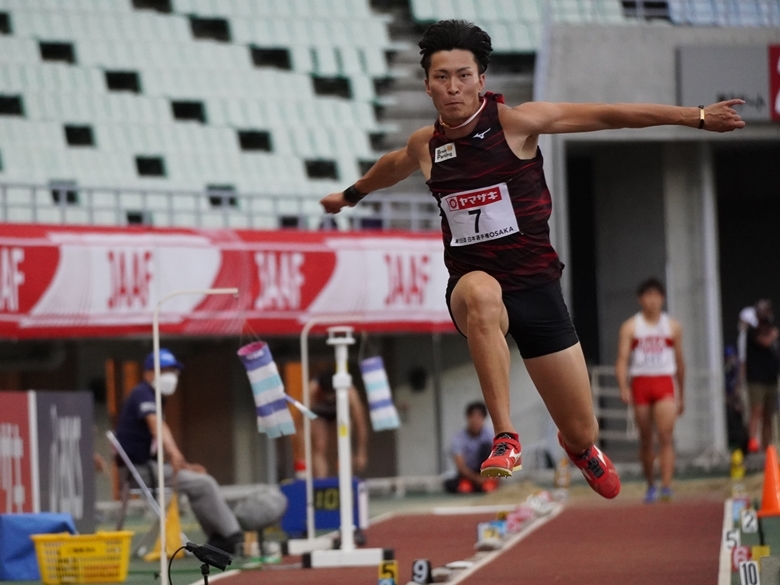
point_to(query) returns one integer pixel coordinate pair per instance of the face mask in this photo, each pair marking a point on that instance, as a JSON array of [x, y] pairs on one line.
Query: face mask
[[168, 381]]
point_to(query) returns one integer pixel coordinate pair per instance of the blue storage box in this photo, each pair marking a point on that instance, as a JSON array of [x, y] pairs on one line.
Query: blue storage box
[[17, 550], [327, 515]]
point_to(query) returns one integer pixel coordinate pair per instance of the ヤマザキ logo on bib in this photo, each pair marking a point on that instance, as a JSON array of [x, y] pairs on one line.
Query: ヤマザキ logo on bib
[[445, 152], [480, 215]]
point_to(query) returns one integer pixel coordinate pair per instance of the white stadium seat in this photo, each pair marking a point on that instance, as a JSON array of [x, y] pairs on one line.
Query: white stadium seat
[[326, 38]]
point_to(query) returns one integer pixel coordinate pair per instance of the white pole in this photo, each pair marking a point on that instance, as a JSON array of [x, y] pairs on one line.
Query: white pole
[[158, 410], [341, 337], [318, 320]]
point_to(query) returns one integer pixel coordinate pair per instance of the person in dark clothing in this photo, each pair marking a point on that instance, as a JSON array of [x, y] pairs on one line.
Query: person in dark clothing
[[323, 404], [762, 366], [469, 448], [136, 432]]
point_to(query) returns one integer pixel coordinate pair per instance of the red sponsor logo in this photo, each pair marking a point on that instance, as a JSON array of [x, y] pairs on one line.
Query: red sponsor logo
[[774, 82], [280, 276], [11, 278], [131, 274], [473, 198], [407, 278]]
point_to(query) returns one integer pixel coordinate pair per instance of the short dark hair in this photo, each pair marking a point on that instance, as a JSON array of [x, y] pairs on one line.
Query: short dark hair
[[476, 406], [650, 284], [447, 35]]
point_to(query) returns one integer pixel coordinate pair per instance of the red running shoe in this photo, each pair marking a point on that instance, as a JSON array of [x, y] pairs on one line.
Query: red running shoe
[[598, 470], [504, 458], [753, 445]]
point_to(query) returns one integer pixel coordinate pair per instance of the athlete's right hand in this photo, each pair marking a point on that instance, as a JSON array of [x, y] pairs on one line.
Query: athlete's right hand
[[625, 395], [334, 202]]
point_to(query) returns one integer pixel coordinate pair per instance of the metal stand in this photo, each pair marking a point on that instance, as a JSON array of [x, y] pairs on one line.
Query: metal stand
[[348, 555], [300, 546]]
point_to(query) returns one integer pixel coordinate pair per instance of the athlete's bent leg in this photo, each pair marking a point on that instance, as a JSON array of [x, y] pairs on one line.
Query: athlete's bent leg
[[643, 415], [562, 381], [664, 416], [479, 312]]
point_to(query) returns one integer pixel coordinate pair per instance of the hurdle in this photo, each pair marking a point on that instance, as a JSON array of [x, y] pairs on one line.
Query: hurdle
[[319, 552]]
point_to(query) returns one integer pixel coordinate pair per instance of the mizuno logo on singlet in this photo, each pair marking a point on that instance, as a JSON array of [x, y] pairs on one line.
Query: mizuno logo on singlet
[[481, 135]]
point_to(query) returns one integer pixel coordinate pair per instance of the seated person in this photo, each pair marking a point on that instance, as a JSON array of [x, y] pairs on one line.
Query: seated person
[[469, 448], [323, 404], [137, 433]]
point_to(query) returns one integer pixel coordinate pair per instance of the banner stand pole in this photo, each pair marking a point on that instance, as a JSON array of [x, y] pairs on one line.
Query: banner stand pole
[[158, 407]]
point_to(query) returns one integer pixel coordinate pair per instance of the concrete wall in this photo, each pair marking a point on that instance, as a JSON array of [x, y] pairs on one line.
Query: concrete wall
[[629, 231]]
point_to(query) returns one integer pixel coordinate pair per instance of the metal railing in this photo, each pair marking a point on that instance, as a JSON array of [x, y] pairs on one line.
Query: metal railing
[[119, 206]]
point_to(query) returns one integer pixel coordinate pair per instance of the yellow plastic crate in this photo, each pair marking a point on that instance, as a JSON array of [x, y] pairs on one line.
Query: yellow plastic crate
[[83, 558]]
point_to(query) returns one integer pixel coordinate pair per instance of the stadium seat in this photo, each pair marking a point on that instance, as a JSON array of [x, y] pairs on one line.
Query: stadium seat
[[112, 36]]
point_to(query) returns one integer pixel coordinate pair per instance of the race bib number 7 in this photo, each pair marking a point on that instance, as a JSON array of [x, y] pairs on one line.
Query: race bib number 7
[[480, 215]]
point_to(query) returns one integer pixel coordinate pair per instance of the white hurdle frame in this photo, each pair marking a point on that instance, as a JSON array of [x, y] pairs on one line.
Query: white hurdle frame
[[317, 550], [158, 406]]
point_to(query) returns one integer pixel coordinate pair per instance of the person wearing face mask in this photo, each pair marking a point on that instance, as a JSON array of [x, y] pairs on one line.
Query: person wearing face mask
[[137, 433]]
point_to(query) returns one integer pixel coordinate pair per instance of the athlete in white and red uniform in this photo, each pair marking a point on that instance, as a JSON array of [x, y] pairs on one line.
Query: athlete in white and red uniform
[[651, 341]]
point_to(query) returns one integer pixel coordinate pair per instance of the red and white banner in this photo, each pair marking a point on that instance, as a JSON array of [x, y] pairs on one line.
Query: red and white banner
[[66, 281]]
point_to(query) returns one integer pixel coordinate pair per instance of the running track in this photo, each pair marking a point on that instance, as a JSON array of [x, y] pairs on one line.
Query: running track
[[600, 544]]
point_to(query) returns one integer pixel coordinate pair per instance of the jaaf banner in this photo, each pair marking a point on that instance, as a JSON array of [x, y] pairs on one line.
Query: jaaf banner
[[66, 281]]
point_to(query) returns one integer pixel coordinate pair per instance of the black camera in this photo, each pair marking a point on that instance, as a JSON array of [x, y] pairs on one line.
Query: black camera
[[210, 555]]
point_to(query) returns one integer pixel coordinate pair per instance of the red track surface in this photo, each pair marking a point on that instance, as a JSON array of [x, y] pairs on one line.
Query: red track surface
[[639, 544], [595, 545]]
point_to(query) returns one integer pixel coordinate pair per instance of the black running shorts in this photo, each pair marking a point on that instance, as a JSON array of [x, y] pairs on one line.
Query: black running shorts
[[538, 319]]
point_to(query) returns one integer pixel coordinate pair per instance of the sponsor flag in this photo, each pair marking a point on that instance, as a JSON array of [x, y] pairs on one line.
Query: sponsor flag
[[384, 416], [273, 416]]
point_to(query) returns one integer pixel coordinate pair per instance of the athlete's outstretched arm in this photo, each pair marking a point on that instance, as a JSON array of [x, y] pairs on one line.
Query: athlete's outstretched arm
[[390, 169], [533, 118]]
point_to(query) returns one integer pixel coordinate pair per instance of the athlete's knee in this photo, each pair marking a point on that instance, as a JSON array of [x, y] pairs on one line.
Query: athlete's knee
[[665, 437], [484, 304]]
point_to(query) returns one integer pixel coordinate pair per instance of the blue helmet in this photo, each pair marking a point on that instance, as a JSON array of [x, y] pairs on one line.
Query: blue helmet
[[167, 360]]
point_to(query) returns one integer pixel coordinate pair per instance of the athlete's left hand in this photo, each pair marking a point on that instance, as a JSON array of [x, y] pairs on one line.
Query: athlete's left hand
[[334, 202], [722, 117], [680, 407]]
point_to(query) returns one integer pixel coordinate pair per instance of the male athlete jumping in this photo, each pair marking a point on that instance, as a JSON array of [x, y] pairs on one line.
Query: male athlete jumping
[[483, 166]]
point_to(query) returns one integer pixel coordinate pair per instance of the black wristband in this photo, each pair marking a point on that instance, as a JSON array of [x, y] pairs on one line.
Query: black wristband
[[352, 195], [701, 117]]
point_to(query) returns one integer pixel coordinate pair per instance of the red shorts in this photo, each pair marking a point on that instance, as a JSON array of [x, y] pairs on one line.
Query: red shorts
[[650, 389]]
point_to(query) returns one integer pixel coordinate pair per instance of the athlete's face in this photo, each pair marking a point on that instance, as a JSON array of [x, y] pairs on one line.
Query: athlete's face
[[652, 302], [474, 423], [454, 84]]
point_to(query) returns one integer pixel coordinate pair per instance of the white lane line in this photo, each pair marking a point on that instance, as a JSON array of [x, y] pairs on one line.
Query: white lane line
[[724, 564], [457, 510], [529, 528]]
